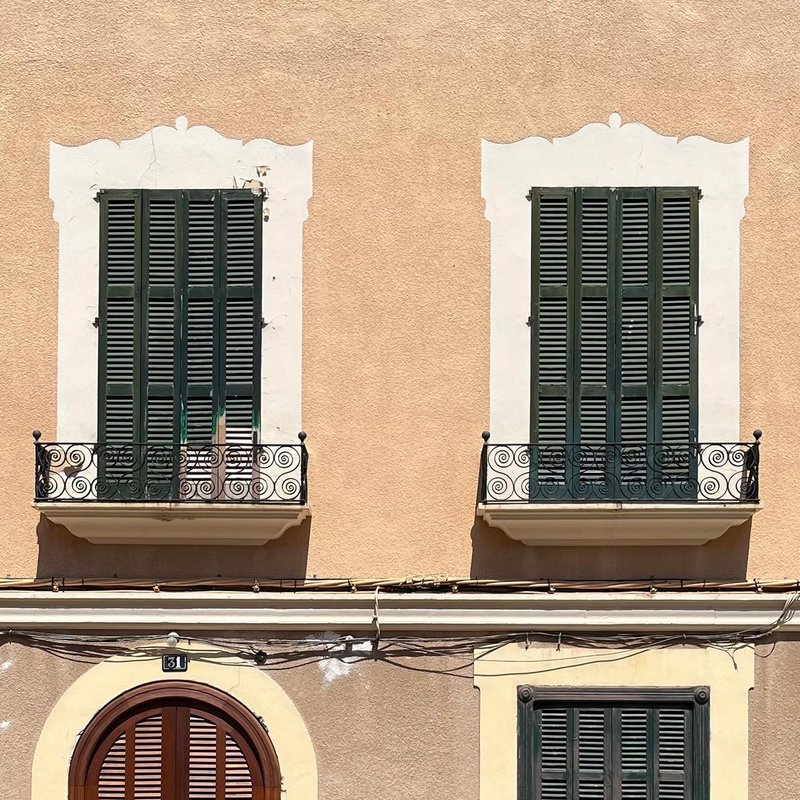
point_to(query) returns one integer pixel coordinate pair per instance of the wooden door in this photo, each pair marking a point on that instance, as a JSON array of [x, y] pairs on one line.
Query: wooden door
[[162, 745]]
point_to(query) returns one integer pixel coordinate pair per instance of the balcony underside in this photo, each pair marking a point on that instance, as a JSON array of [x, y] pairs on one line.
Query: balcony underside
[[175, 523], [603, 524]]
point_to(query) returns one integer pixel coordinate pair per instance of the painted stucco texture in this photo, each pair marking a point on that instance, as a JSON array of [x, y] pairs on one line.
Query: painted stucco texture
[[396, 97], [379, 729]]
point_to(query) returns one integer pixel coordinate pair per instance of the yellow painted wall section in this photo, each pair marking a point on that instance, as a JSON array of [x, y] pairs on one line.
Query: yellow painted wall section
[[729, 676], [396, 97]]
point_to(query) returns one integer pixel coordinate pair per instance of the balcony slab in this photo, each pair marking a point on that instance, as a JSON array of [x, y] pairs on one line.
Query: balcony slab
[[175, 523], [615, 524]]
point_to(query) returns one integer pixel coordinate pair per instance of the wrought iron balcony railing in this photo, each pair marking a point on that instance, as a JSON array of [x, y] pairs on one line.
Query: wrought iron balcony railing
[[659, 472], [170, 473]]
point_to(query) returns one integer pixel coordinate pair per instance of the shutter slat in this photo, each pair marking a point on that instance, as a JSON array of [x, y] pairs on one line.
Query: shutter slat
[[634, 358], [205, 761], [553, 240], [553, 738], [111, 782], [594, 340], [635, 241], [161, 336], [633, 739], [552, 340], [591, 739], [594, 240]]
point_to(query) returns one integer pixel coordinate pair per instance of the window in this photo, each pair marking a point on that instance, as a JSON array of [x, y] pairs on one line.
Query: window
[[613, 744], [614, 335], [180, 316]]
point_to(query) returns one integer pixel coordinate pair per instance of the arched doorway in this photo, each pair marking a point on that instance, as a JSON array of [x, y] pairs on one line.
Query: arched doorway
[[174, 740]]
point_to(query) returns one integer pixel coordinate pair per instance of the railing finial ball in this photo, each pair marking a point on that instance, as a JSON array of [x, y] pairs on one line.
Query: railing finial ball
[[37, 435], [485, 436], [302, 436], [757, 434]]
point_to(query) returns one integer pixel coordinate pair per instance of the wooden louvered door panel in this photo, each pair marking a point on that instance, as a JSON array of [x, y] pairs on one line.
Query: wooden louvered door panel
[[599, 752], [180, 342], [176, 753], [614, 342], [120, 328]]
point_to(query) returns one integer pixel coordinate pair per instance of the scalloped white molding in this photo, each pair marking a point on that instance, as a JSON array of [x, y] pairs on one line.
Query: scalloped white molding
[[615, 155], [182, 157]]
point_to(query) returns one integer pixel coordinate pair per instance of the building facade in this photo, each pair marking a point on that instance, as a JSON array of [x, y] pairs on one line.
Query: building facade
[[397, 378]]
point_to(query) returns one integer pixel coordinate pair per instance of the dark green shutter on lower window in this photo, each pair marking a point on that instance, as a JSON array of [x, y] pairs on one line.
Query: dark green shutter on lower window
[[613, 319], [180, 316], [618, 750]]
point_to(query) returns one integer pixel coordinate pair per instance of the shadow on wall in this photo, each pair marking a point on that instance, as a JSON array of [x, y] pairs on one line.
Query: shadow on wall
[[64, 555], [496, 556]]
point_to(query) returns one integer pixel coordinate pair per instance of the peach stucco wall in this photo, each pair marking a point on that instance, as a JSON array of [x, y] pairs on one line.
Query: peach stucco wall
[[396, 97], [401, 727], [404, 728]]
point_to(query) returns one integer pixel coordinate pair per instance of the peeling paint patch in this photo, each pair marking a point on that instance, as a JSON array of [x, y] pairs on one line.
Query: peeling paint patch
[[343, 655]]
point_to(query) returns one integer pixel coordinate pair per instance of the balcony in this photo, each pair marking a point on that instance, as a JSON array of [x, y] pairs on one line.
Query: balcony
[[156, 493], [618, 494]]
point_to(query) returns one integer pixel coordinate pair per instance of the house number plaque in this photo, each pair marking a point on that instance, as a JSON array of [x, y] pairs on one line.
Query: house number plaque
[[174, 663]]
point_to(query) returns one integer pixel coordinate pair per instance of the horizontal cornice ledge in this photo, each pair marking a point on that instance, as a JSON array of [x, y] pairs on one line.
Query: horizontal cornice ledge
[[427, 612]]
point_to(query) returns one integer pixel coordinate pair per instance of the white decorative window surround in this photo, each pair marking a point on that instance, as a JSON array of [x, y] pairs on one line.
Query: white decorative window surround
[[500, 671], [182, 157], [615, 155], [179, 158]]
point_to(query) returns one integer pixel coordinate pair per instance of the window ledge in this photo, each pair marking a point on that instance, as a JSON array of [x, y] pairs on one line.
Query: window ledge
[[596, 524], [175, 523]]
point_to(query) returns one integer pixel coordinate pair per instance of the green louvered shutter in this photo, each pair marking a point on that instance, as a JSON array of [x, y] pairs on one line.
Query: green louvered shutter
[[552, 321], [161, 357], [120, 324], [180, 334], [613, 340], [120, 331], [613, 751], [676, 280], [240, 295]]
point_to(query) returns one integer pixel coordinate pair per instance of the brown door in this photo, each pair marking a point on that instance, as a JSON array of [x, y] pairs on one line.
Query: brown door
[[156, 744]]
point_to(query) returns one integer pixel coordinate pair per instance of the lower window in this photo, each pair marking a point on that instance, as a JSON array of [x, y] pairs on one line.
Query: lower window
[[613, 744]]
